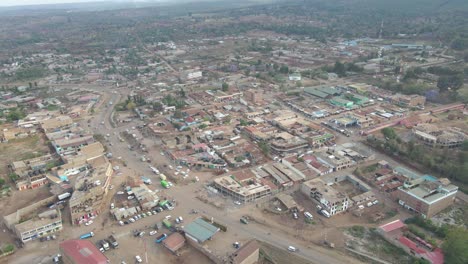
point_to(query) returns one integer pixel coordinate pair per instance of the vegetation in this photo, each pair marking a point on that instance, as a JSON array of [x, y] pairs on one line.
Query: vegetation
[[440, 231], [13, 177], [264, 147], [451, 164], [455, 246], [357, 231]]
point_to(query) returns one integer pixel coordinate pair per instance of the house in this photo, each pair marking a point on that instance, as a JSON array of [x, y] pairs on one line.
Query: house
[[249, 253], [174, 242]]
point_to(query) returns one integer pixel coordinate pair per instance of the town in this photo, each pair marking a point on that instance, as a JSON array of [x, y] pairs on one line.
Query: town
[[254, 147]]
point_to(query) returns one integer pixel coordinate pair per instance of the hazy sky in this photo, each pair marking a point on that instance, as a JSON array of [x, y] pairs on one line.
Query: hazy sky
[[35, 2]]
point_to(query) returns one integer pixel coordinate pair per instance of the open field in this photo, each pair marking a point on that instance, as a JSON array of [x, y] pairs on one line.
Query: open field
[[20, 149]]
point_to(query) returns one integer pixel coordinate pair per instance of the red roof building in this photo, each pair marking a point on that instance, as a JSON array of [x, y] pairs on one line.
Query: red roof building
[[77, 251]]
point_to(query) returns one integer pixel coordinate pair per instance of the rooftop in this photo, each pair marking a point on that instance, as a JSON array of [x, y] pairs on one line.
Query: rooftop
[[83, 252], [200, 230]]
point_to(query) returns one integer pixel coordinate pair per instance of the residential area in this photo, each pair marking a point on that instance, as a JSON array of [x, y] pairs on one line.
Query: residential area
[[257, 147]]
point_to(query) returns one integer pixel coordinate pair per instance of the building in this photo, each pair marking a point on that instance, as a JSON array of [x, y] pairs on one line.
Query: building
[[397, 233], [436, 137], [200, 231], [427, 195], [412, 100], [34, 221], [174, 242], [357, 99], [249, 253], [190, 75], [333, 201], [338, 193], [56, 123], [255, 97], [87, 201], [340, 102], [245, 190], [81, 251], [295, 76], [285, 142]]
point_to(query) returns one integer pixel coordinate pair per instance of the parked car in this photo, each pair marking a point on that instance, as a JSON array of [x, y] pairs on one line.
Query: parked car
[[138, 259], [89, 223], [153, 232]]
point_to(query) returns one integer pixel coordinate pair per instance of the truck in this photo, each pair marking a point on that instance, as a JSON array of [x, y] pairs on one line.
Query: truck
[[167, 224], [165, 184], [161, 238], [64, 196], [146, 180], [105, 244], [113, 241], [87, 235], [162, 177]]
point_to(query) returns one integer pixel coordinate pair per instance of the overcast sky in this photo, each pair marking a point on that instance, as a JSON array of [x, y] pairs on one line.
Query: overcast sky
[[36, 2]]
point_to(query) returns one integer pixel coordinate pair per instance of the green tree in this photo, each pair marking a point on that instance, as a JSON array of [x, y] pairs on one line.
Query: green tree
[[157, 106], [178, 114], [130, 106], [455, 246], [264, 147], [284, 69], [13, 177], [243, 122], [225, 87], [389, 132], [339, 69], [2, 182]]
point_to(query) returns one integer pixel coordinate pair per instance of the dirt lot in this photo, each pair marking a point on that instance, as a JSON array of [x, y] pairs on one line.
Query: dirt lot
[[20, 149]]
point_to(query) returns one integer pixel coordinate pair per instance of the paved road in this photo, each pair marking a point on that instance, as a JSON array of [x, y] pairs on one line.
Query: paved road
[[185, 196]]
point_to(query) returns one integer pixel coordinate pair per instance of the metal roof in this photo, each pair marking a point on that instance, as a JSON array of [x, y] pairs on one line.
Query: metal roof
[[200, 230]]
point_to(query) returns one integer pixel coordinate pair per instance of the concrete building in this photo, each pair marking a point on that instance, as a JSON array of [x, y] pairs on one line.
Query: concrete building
[[412, 100], [34, 221], [56, 123], [81, 251], [87, 200], [253, 96], [243, 190], [285, 142], [436, 137], [333, 201], [427, 196]]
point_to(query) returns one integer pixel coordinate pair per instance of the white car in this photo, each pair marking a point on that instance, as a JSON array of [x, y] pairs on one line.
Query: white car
[[292, 249], [121, 223], [131, 220], [89, 223], [168, 216], [152, 233], [112, 206], [138, 259]]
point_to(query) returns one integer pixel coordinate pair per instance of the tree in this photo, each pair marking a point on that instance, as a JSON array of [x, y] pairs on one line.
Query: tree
[[243, 122], [30, 85], [450, 81], [284, 69], [389, 133], [178, 114], [339, 69], [130, 106], [455, 246], [157, 106], [182, 93], [225, 87], [13, 177], [2, 182], [264, 147]]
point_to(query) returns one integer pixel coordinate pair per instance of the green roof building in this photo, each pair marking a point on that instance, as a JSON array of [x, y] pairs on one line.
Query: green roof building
[[341, 102], [357, 99], [199, 230]]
